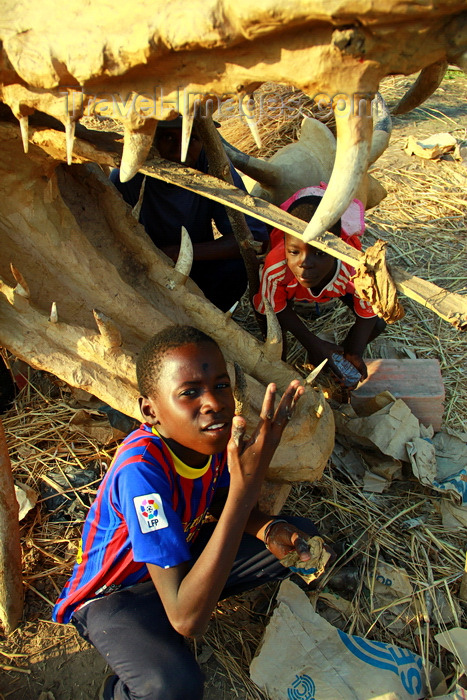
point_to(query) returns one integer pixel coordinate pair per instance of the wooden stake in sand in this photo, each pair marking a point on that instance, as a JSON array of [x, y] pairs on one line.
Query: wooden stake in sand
[[11, 580]]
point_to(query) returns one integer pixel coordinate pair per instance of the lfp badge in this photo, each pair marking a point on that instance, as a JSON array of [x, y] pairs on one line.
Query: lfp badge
[[150, 512]]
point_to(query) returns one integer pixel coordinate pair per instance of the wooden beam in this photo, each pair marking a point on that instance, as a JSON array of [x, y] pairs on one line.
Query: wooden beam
[[449, 306], [11, 578]]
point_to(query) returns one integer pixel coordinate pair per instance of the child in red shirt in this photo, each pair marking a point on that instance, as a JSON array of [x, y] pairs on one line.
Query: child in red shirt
[[296, 271]]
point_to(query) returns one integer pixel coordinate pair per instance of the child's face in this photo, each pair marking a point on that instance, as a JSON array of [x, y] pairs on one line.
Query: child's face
[[169, 145], [311, 267], [194, 405]]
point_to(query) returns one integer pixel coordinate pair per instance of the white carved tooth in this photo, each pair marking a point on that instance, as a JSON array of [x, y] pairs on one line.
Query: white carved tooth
[[110, 335], [136, 146], [248, 107], [185, 257], [53, 318], [241, 398], [187, 126], [24, 127], [231, 311], [70, 127], [273, 343], [22, 287], [354, 133]]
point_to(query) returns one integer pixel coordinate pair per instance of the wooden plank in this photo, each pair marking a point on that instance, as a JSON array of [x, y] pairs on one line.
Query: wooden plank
[[449, 306]]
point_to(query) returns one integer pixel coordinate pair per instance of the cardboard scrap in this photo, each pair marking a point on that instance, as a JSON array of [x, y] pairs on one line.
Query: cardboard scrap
[[441, 463], [386, 467], [455, 641], [98, 428], [392, 589], [348, 461], [451, 452], [343, 605], [375, 483], [423, 460], [26, 497], [391, 583], [432, 147], [454, 517], [458, 694], [389, 429], [324, 663]]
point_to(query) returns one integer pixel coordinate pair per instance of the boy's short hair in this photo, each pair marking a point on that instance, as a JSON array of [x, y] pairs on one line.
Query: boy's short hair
[[149, 363], [311, 202]]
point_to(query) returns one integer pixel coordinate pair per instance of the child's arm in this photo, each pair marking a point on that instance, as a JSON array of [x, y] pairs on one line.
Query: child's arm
[[317, 349], [356, 341], [189, 595]]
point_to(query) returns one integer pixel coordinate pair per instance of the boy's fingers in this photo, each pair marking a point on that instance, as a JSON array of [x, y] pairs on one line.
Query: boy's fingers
[[287, 403], [301, 547], [267, 409], [238, 430]]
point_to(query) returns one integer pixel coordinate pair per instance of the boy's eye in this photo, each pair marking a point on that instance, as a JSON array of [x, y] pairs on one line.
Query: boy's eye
[[223, 385], [188, 392]]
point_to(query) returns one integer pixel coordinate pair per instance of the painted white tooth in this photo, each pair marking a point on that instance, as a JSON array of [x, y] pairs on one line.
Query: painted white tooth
[[70, 127], [24, 126], [187, 125]]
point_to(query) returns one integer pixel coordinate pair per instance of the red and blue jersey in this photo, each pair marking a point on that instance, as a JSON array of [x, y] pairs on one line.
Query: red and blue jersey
[[148, 509]]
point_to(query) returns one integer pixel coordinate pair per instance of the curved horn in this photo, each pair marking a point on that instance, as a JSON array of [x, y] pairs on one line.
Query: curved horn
[[260, 170], [354, 132], [382, 127], [429, 79], [136, 146], [185, 257]]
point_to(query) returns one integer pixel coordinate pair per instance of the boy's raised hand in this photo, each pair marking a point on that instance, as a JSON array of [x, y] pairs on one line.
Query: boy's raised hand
[[250, 459]]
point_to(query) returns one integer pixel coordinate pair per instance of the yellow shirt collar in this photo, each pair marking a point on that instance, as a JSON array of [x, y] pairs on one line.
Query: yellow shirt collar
[[180, 467]]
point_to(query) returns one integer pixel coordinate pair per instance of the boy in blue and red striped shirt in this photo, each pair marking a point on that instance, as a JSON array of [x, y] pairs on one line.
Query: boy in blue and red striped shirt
[[150, 569]]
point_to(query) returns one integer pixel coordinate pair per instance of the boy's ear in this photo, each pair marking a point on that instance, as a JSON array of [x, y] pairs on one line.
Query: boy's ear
[[148, 410]]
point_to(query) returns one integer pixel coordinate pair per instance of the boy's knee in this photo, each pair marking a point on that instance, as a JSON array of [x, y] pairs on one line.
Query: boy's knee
[[174, 682], [379, 328]]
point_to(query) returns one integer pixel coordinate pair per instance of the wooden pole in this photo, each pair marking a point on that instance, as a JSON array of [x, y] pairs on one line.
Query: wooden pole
[[219, 167], [11, 579]]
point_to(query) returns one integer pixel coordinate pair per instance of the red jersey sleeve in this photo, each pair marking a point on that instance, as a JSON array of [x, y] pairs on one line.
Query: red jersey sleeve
[[274, 279]]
